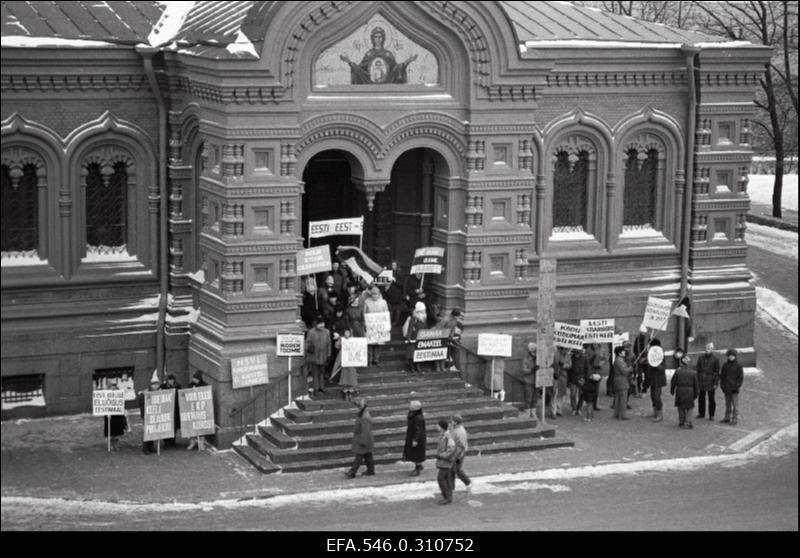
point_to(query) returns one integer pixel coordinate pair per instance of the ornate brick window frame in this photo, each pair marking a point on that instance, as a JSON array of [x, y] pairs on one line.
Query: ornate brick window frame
[[19, 160]]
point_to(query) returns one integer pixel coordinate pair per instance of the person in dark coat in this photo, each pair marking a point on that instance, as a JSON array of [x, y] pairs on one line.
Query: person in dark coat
[[708, 367], [318, 353], [118, 424], [363, 442], [445, 456], [529, 368], [172, 383], [148, 446], [622, 372], [576, 376], [656, 379], [416, 438], [685, 388], [394, 297], [589, 391], [640, 346], [731, 380]]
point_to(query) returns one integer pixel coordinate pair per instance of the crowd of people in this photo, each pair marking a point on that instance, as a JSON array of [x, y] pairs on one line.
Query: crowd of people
[[579, 372], [333, 308]]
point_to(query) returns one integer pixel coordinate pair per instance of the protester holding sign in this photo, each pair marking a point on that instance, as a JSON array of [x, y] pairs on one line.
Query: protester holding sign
[[375, 304], [656, 378], [172, 383], [114, 426], [199, 441], [349, 374], [414, 323], [147, 445]]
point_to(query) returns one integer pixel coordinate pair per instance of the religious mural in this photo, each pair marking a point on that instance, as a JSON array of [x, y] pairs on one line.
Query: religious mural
[[377, 53]]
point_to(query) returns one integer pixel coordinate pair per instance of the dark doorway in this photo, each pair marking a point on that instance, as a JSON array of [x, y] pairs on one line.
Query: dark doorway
[[329, 194]]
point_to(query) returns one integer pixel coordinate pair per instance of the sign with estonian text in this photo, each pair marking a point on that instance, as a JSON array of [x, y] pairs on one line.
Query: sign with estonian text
[[431, 345], [314, 260], [354, 352], [598, 331], [108, 402], [568, 336], [492, 344], [336, 227], [379, 327], [656, 314], [249, 371], [196, 407], [385, 277], [290, 345], [159, 414], [428, 260]]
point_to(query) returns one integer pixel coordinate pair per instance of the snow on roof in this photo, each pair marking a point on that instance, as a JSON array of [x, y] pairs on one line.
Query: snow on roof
[[170, 23], [16, 41]]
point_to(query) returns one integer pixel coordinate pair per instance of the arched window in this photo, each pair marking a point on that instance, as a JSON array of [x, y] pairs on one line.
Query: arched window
[[641, 183], [20, 209], [106, 207], [570, 196]]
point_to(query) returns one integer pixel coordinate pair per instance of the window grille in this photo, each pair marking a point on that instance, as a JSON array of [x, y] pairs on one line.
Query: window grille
[[570, 195], [22, 391], [641, 179], [20, 211]]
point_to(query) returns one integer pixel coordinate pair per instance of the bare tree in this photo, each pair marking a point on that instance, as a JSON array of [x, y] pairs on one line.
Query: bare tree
[[678, 14], [772, 24]]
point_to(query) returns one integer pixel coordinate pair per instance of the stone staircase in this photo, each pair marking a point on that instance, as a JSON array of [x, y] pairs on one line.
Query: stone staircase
[[317, 433]]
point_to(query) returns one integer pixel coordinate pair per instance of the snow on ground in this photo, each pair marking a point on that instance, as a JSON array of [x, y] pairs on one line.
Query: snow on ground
[[776, 241], [779, 444], [778, 307], [761, 185]]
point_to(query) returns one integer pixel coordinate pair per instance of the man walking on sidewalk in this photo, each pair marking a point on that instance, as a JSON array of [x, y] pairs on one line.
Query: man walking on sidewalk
[[445, 452], [460, 438], [708, 378], [363, 442], [731, 379]]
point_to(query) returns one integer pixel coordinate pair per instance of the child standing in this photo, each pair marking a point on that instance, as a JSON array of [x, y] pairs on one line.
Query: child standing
[[589, 395]]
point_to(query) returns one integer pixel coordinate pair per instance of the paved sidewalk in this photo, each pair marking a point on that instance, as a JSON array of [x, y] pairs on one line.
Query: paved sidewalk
[[66, 457]]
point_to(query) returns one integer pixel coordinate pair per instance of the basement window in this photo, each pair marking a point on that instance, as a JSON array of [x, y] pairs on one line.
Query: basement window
[[23, 391]]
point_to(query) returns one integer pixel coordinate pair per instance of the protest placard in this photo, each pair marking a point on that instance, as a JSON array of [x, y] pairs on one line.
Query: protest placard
[[431, 345], [354, 352], [159, 414], [656, 314], [108, 402], [492, 344], [196, 407], [621, 339], [314, 260], [598, 331], [249, 371], [385, 277], [428, 260], [568, 336], [352, 264], [379, 327], [290, 345], [335, 227]]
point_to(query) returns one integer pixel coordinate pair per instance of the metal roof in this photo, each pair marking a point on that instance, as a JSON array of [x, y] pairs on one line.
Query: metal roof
[[118, 22]]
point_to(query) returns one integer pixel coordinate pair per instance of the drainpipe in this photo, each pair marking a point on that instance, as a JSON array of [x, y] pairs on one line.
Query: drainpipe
[[691, 52], [147, 54]]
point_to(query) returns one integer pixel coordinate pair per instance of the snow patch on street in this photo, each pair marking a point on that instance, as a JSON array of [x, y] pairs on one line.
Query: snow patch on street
[[779, 444], [778, 308], [776, 241]]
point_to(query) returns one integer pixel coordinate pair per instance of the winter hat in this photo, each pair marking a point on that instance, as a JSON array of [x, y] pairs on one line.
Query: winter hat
[[642, 329], [732, 352], [198, 375], [531, 347], [595, 377], [443, 424], [457, 418], [656, 342], [375, 290], [414, 406], [329, 280], [618, 350], [420, 307], [709, 346], [457, 312]]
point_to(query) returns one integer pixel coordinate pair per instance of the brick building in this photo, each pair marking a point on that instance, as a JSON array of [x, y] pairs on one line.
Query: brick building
[[141, 146]]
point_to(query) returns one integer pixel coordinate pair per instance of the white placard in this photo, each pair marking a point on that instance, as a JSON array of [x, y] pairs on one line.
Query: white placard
[[354, 352], [379, 327], [430, 355], [428, 260], [290, 345], [655, 356], [314, 260], [598, 331], [568, 336], [108, 402], [492, 344], [336, 227], [656, 314], [621, 339], [249, 371]]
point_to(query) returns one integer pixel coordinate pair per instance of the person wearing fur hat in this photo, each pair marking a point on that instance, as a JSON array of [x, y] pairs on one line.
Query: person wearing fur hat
[[708, 368], [414, 323], [622, 373], [416, 438], [196, 382], [172, 383], [375, 304], [363, 442], [731, 380], [685, 388], [147, 446]]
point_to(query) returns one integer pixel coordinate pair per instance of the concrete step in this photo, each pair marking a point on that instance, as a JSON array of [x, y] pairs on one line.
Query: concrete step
[[344, 463], [400, 399], [310, 429], [496, 428], [434, 407], [277, 437], [256, 459], [414, 384]]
